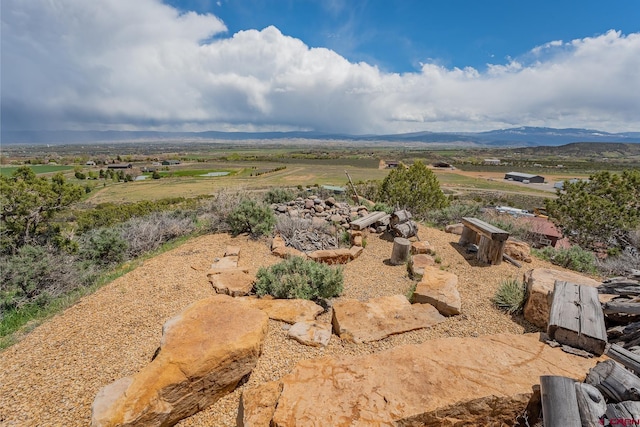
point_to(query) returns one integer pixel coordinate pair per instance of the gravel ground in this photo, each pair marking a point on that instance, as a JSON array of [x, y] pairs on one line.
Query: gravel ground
[[52, 376]]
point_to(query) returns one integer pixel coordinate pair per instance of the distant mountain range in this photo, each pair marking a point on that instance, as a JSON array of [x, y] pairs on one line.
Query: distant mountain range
[[514, 137]]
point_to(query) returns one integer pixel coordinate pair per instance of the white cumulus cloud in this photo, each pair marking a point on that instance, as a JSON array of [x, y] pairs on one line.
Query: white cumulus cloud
[[121, 64]]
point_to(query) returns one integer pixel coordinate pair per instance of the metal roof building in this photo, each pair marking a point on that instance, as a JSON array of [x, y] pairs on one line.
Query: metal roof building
[[522, 177]]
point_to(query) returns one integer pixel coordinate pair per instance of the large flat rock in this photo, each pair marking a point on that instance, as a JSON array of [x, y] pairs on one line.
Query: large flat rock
[[480, 381], [440, 289], [380, 317], [540, 282], [286, 310], [204, 352]]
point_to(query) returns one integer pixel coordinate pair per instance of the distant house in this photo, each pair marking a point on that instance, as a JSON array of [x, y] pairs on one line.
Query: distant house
[[442, 165], [493, 162], [560, 184], [524, 177], [544, 232], [120, 166], [90, 163], [170, 162], [334, 189]]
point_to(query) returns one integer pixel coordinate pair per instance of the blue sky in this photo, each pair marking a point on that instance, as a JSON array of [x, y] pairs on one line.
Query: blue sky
[[356, 67]]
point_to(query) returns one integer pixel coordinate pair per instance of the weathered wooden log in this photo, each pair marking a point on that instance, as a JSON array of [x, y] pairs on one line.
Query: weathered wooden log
[[623, 414], [626, 358], [468, 236], [614, 382], [400, 251], [511, 260], [576, 317], [490, 239], [559, 402], [628, 334], [399, 217], [622, 307], [591, 404], [629, 287], [367, 220], [406, 229]]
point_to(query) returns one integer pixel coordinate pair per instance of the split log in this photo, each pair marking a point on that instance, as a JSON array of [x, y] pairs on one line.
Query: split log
[[511, 260], [624, 413], [367, 220], [400, 251], [628, 359], [406, 229], [622, 307], [614, 382], [628, 334], [591, 404], [576, 317], [400, 217], [559, 402], [626, 288]]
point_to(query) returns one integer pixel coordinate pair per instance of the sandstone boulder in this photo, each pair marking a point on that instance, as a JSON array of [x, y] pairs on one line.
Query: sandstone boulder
[[418, 263], [234, 283], [356, 251], [440, 289], [232, 251], [258, 404], [278, 242], [380, 317], [204, 352], [287, 252], [286, 310], [331, 256], [224, 264], [454, 228], [447, 381], [315, 334], [540, 282], [518, 250], [421, 247]]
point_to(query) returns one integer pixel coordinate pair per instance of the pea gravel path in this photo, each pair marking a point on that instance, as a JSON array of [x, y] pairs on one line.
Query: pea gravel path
[[52, 376]]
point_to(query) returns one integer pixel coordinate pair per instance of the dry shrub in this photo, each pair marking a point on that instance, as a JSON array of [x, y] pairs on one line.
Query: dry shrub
[[216, 210], [148, 233]]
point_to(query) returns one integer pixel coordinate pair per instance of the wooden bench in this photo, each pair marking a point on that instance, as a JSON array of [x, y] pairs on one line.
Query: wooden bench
[[490, 239]]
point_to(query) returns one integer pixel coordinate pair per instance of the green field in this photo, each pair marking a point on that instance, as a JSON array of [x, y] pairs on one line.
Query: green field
[[38, 169]]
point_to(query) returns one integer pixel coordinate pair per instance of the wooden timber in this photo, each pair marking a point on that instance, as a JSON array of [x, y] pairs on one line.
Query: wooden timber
[[576, 317], [400, 251], [614, 382], [622, 307], [367, 220], [623, 413], [626, 358], [626, 288], [559, 402], [491, 240], [591, 404]]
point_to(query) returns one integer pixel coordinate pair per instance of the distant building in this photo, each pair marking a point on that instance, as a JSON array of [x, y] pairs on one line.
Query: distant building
[[543, 231], [120, 166], [90, 163], [560, 184], [334, 189], [442, 165], [170, 162], [524, 177], [493, 162]]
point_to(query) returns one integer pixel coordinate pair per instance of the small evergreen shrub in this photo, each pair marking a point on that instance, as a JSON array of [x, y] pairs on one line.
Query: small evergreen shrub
[[574, 258], [510, 296], [104, 246], [251, 217], [299, 278], [279, 195], [382, 207]]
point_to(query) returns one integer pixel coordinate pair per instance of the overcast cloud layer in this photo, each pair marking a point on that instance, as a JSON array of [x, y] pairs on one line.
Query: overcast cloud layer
[[123, 64]]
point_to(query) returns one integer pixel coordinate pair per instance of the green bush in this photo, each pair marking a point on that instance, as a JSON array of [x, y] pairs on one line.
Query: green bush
[[104, 246], [279, 195], [299, 278], [574, 258], [382, 207], [251, 217], [510, 296], [453, 213]]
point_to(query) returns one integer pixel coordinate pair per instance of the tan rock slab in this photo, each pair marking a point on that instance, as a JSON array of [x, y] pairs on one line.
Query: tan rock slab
[[331, 256], [356, 251], [278, 242], [258, 404], [286, 252], [286, 310], [225, 263], [204, 352], [540, 282], [421, 247], [518, 250], [380, 317], [314, 334], [485, 376], [440, 289], [234, 283], [418, 263], [232, 251]]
